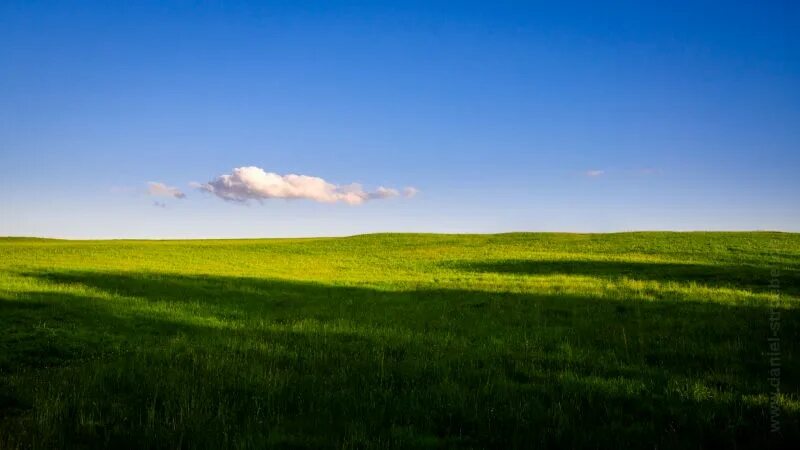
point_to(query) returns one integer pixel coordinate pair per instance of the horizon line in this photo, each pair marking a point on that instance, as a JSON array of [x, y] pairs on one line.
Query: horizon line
[[397, 233]]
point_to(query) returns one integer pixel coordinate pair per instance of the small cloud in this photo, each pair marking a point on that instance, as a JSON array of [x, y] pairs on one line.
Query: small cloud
[[158, 204], [157, 189], [254, 183], [410, 192], [595, 173], [383, 192]]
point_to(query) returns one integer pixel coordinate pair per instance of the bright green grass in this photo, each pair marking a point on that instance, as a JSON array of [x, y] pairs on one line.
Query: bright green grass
[[651, 340]]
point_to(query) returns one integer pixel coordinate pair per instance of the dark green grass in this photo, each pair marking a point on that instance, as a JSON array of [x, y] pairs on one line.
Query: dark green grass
[[555, 341]]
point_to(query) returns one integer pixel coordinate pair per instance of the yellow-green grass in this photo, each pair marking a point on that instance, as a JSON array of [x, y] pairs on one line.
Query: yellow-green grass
[[643, 340]]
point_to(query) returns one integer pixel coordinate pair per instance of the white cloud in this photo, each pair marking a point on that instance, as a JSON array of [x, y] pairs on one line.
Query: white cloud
[[595, 173], [384, 192], [157, 189], [410, 191], [254, 183]]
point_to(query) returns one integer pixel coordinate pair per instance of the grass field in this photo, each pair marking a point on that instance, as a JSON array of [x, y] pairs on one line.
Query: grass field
[[632, 340]]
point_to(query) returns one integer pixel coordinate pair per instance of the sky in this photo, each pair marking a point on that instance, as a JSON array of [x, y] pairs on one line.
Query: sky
[[269, 119]]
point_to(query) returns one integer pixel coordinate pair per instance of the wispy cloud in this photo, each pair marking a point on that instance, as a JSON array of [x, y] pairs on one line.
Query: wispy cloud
[[595, 173], [410, 191], [157, 189], [254, 183], [158, 204], [383, 192]]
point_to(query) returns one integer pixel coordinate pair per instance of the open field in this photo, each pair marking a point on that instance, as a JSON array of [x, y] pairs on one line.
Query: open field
[[377, 341]]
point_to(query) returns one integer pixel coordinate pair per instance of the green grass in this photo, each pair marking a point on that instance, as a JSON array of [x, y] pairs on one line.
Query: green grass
[[631, 340]]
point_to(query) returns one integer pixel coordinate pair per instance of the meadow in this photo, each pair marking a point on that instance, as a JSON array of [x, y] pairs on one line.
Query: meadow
[[522, 340]]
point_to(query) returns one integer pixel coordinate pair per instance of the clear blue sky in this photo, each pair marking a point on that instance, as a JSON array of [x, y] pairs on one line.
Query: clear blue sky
[[506, 116]]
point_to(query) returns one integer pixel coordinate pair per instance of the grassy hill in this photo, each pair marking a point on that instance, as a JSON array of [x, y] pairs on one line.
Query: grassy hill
[[398, 340]]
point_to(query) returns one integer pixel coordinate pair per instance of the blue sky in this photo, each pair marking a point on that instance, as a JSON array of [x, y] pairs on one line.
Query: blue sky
[[505, 116]]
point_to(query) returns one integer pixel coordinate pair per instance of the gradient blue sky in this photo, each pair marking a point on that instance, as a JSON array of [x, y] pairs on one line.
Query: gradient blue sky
[[496, 111]]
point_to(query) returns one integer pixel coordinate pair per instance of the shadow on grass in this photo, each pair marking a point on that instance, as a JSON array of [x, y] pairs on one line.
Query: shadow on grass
[[756, 279], [154, 360]]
